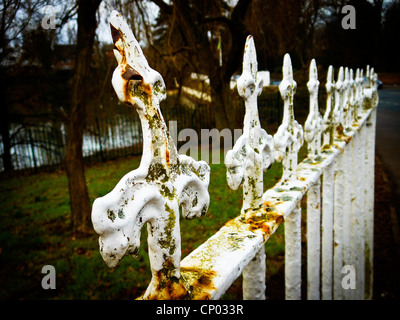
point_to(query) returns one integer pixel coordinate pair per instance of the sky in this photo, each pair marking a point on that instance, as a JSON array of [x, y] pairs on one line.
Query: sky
[[103, 29]]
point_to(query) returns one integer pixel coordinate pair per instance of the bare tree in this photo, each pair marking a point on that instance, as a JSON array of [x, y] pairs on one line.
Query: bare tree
[[11, 29], [209, 36], [74, 164]]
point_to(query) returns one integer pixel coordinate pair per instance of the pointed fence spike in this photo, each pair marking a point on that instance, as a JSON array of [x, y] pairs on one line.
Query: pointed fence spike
[[371, 97], [329, 124], [338, 110], [254, 149], [289, 137], [346, 99], [251, 155], [313, 125]]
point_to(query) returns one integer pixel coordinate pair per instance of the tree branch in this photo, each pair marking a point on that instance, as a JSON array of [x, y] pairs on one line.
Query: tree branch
[[165, 8]]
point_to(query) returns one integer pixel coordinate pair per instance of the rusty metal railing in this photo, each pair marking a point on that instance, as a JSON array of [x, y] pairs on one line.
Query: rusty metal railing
[[337, 178]]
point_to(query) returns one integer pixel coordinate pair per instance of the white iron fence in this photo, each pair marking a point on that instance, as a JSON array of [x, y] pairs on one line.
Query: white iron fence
[[337, 179]]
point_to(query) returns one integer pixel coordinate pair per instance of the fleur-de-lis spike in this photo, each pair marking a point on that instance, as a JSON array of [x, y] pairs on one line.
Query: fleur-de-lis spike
[[329, 124], [354, 98], [371, 89], [359, 84], [163, 182], [370, 93], [346, 99], [289, 137], [367, 78], [351, 97], [338, 110], [253, 151], [361, 90], [313, 125], [372, 77]]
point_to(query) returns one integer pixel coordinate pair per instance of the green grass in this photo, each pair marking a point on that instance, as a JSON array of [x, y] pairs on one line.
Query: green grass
[[35, 231]]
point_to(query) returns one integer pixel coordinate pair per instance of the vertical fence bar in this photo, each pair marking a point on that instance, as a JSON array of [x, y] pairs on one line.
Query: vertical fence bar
[[369, 202], [312, 134], [354, 232], [254, 273], [328, 192], [357, 222], [259, 147], [347, 222], [338, 229], [361, 216], [349, 215], [293, 255], [313, 241]]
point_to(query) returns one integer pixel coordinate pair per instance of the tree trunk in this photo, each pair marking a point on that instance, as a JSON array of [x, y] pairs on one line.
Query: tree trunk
[[74, 164], [5, 136], [5, 123], [221, 98], [196, 36]]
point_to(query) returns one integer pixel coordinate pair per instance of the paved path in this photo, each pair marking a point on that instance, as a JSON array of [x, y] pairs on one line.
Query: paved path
[[388, 148], [387, 247], [388, 132]]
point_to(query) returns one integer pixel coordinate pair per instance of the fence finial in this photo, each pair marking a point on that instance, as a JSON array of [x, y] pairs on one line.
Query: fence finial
[[370, 90], [355, 99], [153, 192], [346, 99], [329, 125], [368, 78], [289, 137], [359, 90], [313, 125], [338, 110], [253, 151]]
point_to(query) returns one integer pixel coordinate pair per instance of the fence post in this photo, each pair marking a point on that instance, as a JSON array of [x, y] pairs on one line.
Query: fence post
[[154, 192], [288, 141], [328, 191], [369, 202], [338, 195], [348, 193], [312, 134], [293, 254], [250, 156], [254, 277]]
